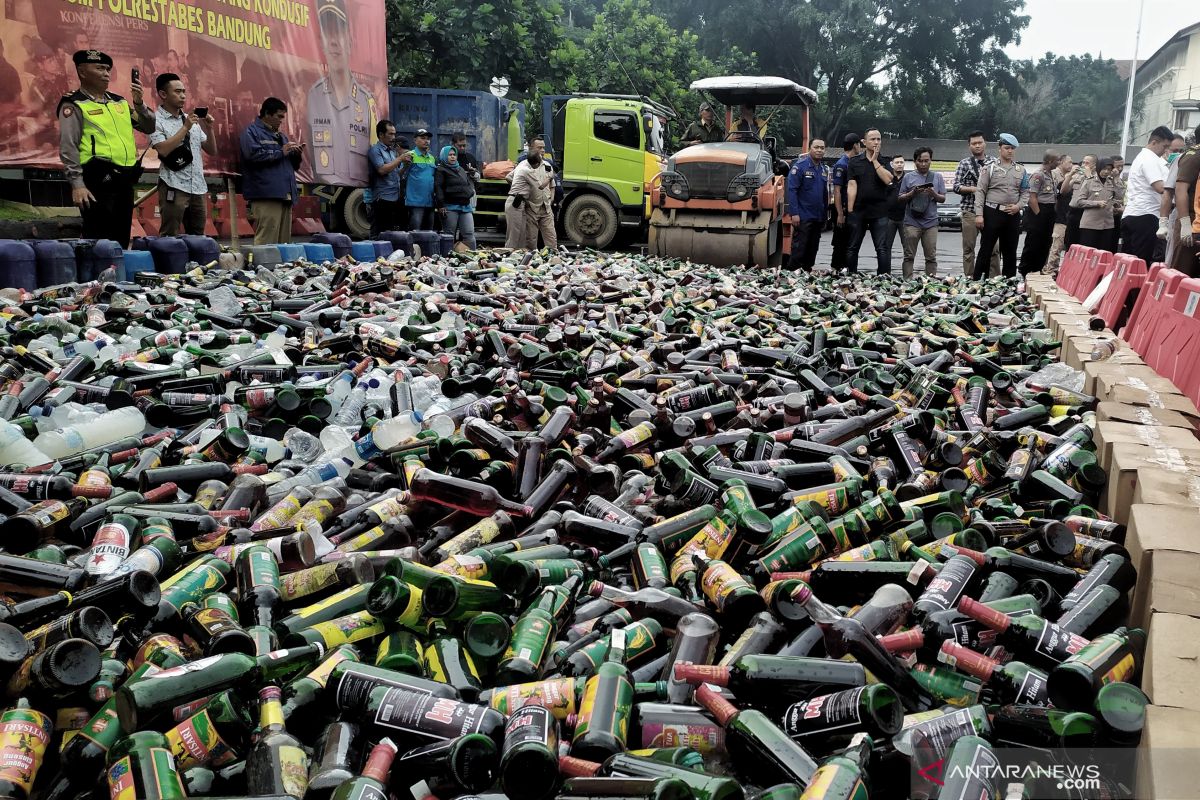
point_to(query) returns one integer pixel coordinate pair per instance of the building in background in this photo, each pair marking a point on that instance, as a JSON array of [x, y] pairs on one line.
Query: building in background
[[1167, 87]]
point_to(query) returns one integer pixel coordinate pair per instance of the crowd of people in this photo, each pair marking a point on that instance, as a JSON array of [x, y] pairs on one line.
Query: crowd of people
[[410, 188], [1148, 211]]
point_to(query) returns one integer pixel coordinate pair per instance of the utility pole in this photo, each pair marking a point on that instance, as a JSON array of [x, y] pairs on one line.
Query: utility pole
[[1132, 80]]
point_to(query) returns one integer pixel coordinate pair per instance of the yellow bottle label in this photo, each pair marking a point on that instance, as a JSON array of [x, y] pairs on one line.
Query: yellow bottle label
[[294, 767]]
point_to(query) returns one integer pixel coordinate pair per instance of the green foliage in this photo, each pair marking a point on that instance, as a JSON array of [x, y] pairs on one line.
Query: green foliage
[[914, 68]]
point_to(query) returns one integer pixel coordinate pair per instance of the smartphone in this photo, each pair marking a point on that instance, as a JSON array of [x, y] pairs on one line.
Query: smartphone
[[135, 75], [202, 111]]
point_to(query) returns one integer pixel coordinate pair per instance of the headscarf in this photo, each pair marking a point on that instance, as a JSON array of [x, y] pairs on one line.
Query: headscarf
[[444, 156]]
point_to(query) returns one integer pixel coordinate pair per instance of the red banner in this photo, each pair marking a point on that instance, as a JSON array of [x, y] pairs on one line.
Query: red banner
[[325, 58]]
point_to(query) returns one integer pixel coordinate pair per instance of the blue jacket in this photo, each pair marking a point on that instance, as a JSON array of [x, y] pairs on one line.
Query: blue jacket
[[267, 174], [840, 180], [808, 189]]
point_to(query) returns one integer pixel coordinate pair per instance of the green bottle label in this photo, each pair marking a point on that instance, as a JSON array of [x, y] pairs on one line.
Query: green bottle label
[[264, 570], [530, 638]]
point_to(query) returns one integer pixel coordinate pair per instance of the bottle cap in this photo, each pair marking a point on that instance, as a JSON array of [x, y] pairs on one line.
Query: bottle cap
[[722, 710], [967, 660]]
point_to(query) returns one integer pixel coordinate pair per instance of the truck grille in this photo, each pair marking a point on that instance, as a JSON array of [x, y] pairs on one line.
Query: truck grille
[[709, 180]]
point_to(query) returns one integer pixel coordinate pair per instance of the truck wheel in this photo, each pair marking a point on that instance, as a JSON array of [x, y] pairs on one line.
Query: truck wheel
[[591, 221], [352, 213]]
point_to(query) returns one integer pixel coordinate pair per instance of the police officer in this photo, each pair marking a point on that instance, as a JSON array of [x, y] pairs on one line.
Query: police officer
[[1039, 217], [808, 205], [1002, 195], [342, 114], [97, 148]]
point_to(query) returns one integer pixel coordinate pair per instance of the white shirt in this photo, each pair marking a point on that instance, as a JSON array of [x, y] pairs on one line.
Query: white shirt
[[190, 179], [1140, 199]]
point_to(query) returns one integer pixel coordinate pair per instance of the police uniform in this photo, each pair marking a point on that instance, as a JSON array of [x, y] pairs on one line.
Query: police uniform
[[340, 134], [1001, 185], [1039, 227], [98, 152], [808, 205]]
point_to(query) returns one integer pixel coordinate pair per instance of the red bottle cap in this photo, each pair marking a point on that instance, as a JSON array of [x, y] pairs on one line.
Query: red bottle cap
[[996, 620], [904, 641], [161, 493], [967, 660], [702, 673], [99, 492], [791, 576], [577, 767], [721, 709], [379, 763], [976, 556]]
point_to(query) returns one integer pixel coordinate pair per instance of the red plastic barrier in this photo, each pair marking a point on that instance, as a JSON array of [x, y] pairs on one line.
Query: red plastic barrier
[[1147, 338], [306, 216], [1129, 273], [220, 216], [1140, 304], [1098, 264], [1180, 334], [1068, 273]]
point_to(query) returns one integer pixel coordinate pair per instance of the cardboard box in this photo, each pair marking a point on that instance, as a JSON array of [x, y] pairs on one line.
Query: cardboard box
[[1110, 432], [1127, 459], [1101, 376], [1168, 761], [1077, 348], [1142, 415], [1162, 487], [1164, 547], [1172, 667], [1063, 322], [1133, 396]]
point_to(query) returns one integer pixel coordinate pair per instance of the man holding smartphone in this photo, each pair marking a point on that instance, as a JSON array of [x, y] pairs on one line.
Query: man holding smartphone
[[97, 147], [181, 140]]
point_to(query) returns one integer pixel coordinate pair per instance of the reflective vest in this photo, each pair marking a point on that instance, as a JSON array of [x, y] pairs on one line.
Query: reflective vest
[[107, 130]]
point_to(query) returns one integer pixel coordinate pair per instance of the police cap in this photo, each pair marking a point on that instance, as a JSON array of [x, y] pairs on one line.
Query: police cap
[[1009, 139], [92, 57], [334, 8]]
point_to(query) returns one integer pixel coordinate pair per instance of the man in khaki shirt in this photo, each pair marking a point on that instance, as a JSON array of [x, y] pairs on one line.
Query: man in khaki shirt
[[1002, 195]]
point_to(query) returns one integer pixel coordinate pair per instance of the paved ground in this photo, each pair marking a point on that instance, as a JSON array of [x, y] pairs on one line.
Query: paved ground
[[949, 250]]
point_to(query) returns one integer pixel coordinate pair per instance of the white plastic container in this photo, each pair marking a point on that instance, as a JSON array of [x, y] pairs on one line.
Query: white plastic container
[[106, 428]]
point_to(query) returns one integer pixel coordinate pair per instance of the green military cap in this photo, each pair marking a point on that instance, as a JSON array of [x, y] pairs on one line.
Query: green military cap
[[92, 57]]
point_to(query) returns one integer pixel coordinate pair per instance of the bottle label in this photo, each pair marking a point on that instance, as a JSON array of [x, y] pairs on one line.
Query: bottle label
[[47, 513], [938, 732], [1032, 690], [146, 559], [321, 674], [362, 541], [1120, 671], [184, 669], [825, 713], [353, 691], [482, 532], [314, 513], [24, 737], [431, 717], [120, 780], [720, 582], [829, 776], [635, 435], [366, 793], [944, 590], [193, 585], [293, 768], [278, 515], [705, 738], [214, 620], [307, 581], [1058, 645], [617, 721], [348, 629], [556, 694], [531, 723], [264, 571], [195, 742], [529, 641], [464, 566]]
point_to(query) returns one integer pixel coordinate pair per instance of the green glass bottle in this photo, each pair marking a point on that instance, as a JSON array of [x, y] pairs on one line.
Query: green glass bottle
[[842, 776], [448, 661], [833, 718], [456, 598], [603, 723], [1108, 658], [529, 761], [533, 632], [453, 767], [417, 717], [258, 585], [372, 783], [141, 767], [302, 692], [215, 735], [401, 651], [1014, 682], [757, 743], [277, 763]]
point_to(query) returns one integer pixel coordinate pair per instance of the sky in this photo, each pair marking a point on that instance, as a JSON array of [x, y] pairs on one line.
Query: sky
[[1099, 27]]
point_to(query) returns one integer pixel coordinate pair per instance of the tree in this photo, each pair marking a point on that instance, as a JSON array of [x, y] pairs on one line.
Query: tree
[[455, 45], [1075, 99], [842, 47]]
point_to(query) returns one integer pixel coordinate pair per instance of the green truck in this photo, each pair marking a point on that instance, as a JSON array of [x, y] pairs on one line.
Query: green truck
[[607, 148]]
